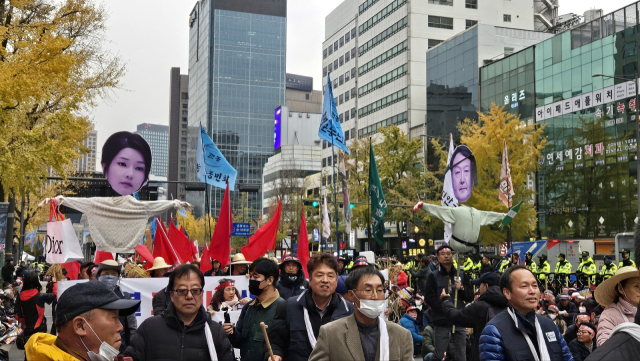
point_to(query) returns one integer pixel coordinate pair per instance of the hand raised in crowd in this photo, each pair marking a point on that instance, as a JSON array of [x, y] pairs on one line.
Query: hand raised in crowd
[[228, 328], [458, 285], [444, 294], [275, 358]]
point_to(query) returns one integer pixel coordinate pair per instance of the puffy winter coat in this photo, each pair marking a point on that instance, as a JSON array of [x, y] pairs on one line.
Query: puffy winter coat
[[620, 346], [288, 288], [427, 341], [41, 346], [501, 340], [411, 324], [579, 351], [611, 317], [164, 338]]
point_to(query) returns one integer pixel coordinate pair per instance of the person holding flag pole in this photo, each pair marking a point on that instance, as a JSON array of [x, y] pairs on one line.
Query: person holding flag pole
[[331, 131]]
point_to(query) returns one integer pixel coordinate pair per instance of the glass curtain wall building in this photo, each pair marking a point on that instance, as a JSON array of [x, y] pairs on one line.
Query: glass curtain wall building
[[587, 175], [236, 79]]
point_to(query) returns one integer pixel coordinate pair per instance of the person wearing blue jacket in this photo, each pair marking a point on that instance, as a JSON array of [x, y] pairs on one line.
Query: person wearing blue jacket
[[409, 321], [519, 333]]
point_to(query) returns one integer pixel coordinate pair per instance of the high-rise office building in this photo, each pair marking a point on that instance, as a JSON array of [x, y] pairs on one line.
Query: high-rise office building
[[178, 112], [87, 163], [158, 138], [237, 52]]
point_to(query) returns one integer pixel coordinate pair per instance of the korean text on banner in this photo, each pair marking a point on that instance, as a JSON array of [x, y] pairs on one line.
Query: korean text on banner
[[211, 165], [506, 185], [448, 198], [378, 202], [330, 128]]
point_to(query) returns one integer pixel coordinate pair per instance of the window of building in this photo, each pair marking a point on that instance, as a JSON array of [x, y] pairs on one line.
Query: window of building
[[330, 67], [382, 14], [340, 117], [335, 46], [341, 99], [471, 4], [506, 18], [347, 76], [346, 56], [346, 96], [440, 22], [182, 176], [184, 106], [184, 139], [383, 58], [306, 96], [330, 49], [353, 52], [342, 60], [183, 162], [324, 54], [346, 115], [347, 37], [335, 64], [184, 119], [353, 72], [383, 80], [324, 71], [184, 126], [346, 135], [183, 169], [383, 103], [385, 34], [353, 93], [183, 146], [329, 161], [184, 96], [341, 42], [441, 2], [183, 152], [184, 112], [184, 132], [324, 162], [324, 144], [433, 42], [353, 113], [470, 23], [508, 51], [335, 83], [341, 79]]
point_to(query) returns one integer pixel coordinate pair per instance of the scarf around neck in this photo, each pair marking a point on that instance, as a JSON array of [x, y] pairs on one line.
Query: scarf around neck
[[542, 345]]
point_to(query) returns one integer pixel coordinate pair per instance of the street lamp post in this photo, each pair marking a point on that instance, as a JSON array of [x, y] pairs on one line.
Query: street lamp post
[[637, 132]]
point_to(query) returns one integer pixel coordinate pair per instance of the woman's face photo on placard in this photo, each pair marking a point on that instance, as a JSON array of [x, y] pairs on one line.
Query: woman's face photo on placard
[[463, 170], [126, 162]]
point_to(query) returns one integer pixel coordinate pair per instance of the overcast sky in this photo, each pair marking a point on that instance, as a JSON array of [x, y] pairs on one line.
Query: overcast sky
[[152, 36]]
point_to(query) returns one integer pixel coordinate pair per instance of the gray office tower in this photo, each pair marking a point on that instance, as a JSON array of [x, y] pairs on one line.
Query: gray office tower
[[158, 138], [178, 112], [237, 53]]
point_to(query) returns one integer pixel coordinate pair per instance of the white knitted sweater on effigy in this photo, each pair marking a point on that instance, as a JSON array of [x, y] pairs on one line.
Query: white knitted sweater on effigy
[[117, 224]]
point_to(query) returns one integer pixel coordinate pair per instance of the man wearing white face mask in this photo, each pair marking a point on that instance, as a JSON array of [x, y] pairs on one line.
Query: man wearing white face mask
[[108, 272], [365, 335], [88, 326]]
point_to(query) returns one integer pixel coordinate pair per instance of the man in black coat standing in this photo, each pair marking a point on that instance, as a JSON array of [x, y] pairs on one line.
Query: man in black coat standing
[[292, 281], [421, 275], [478, 313], [7, 271]]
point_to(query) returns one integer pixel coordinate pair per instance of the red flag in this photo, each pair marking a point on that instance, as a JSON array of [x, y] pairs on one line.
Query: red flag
[[144, 253], [264, 239], [102, 256], [162, 247], [205, 260], [220, 246], [303, 244], [73, 268], [180, 243]]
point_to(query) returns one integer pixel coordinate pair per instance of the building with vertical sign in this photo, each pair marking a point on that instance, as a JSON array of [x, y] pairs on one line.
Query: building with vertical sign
[[587, 180], [237, 78]]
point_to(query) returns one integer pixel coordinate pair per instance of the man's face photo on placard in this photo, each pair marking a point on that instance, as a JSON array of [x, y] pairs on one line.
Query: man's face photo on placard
[[462, 169], [126, 162]]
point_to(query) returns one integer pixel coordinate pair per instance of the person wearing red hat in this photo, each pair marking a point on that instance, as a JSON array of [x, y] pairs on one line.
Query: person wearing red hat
[[292, 281], [410, 321]]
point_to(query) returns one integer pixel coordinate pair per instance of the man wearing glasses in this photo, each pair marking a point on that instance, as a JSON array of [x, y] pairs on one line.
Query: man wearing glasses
[[365, 335], [183, 331], [446, 277]]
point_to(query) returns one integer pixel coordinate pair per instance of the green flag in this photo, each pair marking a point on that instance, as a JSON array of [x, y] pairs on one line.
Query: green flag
[[378, 204], [512, 213]]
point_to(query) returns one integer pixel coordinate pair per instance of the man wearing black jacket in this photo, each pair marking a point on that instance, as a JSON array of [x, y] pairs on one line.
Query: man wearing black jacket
[[292, 281], [486, 266], [478, 313], [421, 275], [446, 277], [317, 306], [7, 271], [215, 270]]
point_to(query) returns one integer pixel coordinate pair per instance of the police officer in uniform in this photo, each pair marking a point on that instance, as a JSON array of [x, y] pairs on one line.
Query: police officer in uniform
[[563, 269], [586, 269], [529, 262], [543, 270], [608, 269], [505, 264], [467, 265], [626, 260]]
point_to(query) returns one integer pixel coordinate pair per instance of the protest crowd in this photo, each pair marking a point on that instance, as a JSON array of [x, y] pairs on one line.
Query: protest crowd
[[443, 306]]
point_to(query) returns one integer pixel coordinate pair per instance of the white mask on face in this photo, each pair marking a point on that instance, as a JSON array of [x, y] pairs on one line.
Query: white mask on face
[[552, 316], [371, 308], [582, 309], [106, 353]]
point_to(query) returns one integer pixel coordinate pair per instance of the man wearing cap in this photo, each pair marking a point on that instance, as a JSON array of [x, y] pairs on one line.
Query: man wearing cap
[[563, 269], [183, 331], [360, 261], [519, 333], [342, 269], [543, 268], [410, 321], [506, 263], [567, 309], [215, 270], [294, 331], [88, 325], [490, 303], [292, 281], [109, 273], [626, 260], [446, 277], [584, 344], [586, 270], [609, 268], [530, 263], [486, 265]]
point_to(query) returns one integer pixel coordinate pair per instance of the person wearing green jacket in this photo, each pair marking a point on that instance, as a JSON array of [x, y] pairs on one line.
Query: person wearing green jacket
[[247, 334], [587, 269], [530, 263], [626, 260], [543, 270], [563, 269], [467, 265], [608, 269]]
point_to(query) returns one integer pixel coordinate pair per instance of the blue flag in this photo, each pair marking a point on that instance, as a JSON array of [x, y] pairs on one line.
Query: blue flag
[[330, 128], [211, 165], [153, 230]]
